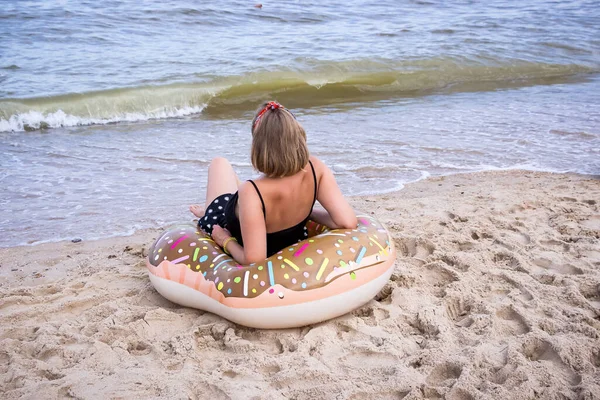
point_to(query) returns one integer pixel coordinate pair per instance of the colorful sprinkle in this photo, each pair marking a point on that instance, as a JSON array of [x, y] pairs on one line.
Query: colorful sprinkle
[[271, 291], [303, 285], [260, 267], [222, 262], [255, 276], [203, 258], [229, 291], [361, 254], [301, 249], [237, 279], [196, 254], [322, 268], [339, 252], [178, 241], [377, 243], [319, 251], [180, 259], [306, 274], [253, 290], [262, 283], [193, 244], [271, 277], [294, 281], [352, 275], [286, 276], [220, 286], [308, 261], [280, 295], [291, 264], [246, 283]]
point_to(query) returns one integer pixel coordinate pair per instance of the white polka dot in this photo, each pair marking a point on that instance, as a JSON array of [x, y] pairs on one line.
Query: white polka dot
[[205, 218], [217, 200], [227, 198], [209, 210], [208, 225], [215, 217], [220, 208]]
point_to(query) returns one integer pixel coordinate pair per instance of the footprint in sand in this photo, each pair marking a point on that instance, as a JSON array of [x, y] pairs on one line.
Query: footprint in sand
[[502, 286], [592, 222], [553, 243], [444, 374], [416, 248], [516, 237], [459, 311], [438, 275], [139, 348], [541, 351], [506, 260], [564, 269], [455, 262], [591, 292], [595, 357], [459, 394], [509, 322]]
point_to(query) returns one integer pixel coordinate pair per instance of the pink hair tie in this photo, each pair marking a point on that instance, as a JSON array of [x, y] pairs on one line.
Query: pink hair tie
[[272, 105]]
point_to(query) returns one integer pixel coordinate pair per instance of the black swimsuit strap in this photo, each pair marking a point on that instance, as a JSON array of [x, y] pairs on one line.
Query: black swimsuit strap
[[315, 179], [260, 196]]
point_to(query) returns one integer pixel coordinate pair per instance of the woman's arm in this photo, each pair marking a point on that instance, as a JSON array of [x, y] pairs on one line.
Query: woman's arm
[[338, 213]]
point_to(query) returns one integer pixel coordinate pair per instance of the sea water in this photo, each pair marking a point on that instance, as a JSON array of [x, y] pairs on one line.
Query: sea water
[[110, 112]]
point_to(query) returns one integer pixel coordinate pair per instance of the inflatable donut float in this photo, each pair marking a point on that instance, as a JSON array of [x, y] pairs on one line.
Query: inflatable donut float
[[327, 275]]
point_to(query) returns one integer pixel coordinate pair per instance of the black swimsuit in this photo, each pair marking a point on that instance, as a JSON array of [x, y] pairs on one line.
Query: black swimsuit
[[222, 212]]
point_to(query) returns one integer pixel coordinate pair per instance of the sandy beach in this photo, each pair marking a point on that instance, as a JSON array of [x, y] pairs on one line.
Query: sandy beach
[[496, 294]]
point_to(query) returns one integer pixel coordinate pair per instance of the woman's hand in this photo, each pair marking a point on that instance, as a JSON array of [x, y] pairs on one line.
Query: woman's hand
[[219, 235]]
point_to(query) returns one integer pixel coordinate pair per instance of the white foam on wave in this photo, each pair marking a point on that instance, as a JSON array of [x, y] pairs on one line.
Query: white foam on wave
[[34, 120]]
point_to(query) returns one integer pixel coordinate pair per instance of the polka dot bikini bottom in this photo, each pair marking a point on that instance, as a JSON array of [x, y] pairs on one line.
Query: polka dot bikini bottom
[[215, 213]]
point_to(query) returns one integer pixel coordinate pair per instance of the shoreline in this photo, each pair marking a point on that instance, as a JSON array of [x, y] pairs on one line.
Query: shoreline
[[496, 294], [354, 198]]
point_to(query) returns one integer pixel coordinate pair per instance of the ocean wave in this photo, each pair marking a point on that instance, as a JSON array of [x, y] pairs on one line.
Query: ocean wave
[[314, 83]]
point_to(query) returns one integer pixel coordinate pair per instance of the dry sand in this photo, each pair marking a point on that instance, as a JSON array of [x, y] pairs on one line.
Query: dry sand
[[496, 294]]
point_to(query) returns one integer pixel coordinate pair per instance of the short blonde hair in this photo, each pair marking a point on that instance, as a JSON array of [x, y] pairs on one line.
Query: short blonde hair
[[278, 143]]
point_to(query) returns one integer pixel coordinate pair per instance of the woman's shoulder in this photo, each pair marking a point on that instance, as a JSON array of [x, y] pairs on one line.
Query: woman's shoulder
[[320, 167]]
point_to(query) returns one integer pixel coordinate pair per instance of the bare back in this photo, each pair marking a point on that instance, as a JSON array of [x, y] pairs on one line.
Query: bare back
[[289, 200]]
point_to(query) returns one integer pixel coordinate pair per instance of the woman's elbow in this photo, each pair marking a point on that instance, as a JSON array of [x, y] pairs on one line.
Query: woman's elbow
[[349, 222], [254, 258]]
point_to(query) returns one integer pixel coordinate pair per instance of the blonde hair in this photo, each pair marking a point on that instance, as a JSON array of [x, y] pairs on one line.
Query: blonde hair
[[278, 142]]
